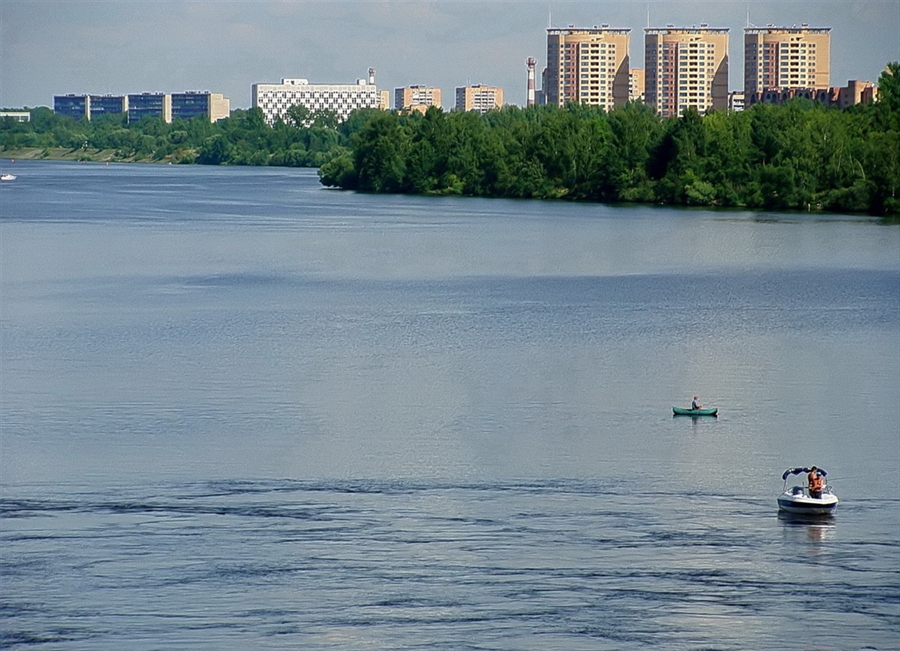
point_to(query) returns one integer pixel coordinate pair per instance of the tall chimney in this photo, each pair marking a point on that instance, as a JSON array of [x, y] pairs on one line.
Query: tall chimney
[[531, 63]]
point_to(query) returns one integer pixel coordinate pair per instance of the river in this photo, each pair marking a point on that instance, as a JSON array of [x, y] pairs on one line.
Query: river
[[239, 410]]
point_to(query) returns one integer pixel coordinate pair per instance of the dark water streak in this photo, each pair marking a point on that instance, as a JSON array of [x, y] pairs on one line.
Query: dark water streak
[[417, 564]]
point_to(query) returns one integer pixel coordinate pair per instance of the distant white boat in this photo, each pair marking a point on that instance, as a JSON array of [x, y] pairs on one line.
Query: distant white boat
[[7, 177]]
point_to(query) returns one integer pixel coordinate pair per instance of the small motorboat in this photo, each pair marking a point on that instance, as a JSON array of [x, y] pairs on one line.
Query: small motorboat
[[7, 177], [681, 411], [797, 500]]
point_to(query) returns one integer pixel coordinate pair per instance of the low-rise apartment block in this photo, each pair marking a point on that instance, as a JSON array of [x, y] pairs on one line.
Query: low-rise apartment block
[[855, 92], [88, 106], [107, 104], [150, 105], [168, 107], [16, 116], [195, 104]]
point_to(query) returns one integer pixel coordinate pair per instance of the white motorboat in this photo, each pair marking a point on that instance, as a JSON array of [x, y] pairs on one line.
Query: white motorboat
[[798, 499], [7, 177]]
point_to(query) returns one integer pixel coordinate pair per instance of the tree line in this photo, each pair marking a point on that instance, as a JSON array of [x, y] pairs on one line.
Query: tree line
[[797, 156], [302, 139]]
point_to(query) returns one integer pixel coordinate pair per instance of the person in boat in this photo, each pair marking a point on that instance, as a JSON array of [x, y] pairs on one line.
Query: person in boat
[[695, 404], [816, 482]]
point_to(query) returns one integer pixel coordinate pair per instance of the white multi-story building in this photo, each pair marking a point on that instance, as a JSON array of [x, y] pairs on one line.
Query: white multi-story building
[[16, 116], [276, 99]]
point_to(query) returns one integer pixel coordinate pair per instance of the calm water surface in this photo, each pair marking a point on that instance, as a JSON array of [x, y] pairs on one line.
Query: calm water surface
[[242, 411]]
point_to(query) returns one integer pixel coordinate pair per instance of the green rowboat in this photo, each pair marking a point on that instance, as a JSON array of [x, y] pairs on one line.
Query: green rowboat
[[680, 411]]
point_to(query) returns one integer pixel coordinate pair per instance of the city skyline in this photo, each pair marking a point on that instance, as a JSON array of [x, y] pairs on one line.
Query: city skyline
[[50, 48]]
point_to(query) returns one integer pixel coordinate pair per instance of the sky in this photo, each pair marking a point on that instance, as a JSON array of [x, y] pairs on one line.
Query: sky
[[54, 47]]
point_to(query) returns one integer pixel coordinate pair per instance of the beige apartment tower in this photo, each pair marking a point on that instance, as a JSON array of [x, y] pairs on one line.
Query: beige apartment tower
[[781, 58], [685, 67], [478, 98], [587, 66], [384, 100]]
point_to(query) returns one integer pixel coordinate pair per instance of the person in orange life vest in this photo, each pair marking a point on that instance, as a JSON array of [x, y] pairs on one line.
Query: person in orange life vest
[[816, 482]]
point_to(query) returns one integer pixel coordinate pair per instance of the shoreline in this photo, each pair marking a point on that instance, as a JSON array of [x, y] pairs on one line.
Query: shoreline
[[81, 155]]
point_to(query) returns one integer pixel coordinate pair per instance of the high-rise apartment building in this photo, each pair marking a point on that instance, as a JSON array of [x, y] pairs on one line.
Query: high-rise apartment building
[[276, 99], [416, 98], [686, 67], [478, 98], [781, 58], [587, 66]]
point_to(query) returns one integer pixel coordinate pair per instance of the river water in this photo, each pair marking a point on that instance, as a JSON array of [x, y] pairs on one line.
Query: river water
[[242, 411]]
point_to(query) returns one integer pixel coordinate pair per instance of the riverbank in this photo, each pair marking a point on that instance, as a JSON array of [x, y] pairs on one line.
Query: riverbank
[[86, 155]]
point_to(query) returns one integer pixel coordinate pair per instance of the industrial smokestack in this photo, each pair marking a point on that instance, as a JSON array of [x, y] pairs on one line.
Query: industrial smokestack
[[531, 63]]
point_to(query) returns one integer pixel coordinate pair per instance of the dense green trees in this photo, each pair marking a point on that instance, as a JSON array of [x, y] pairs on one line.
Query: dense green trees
[[242, 139], [800, 156]]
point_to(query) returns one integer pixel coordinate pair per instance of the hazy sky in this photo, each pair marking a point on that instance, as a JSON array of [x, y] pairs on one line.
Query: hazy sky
[[53, 47]]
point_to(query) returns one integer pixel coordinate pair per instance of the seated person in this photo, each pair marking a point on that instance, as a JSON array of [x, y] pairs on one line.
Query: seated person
[[695, 404], [816, 482]]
